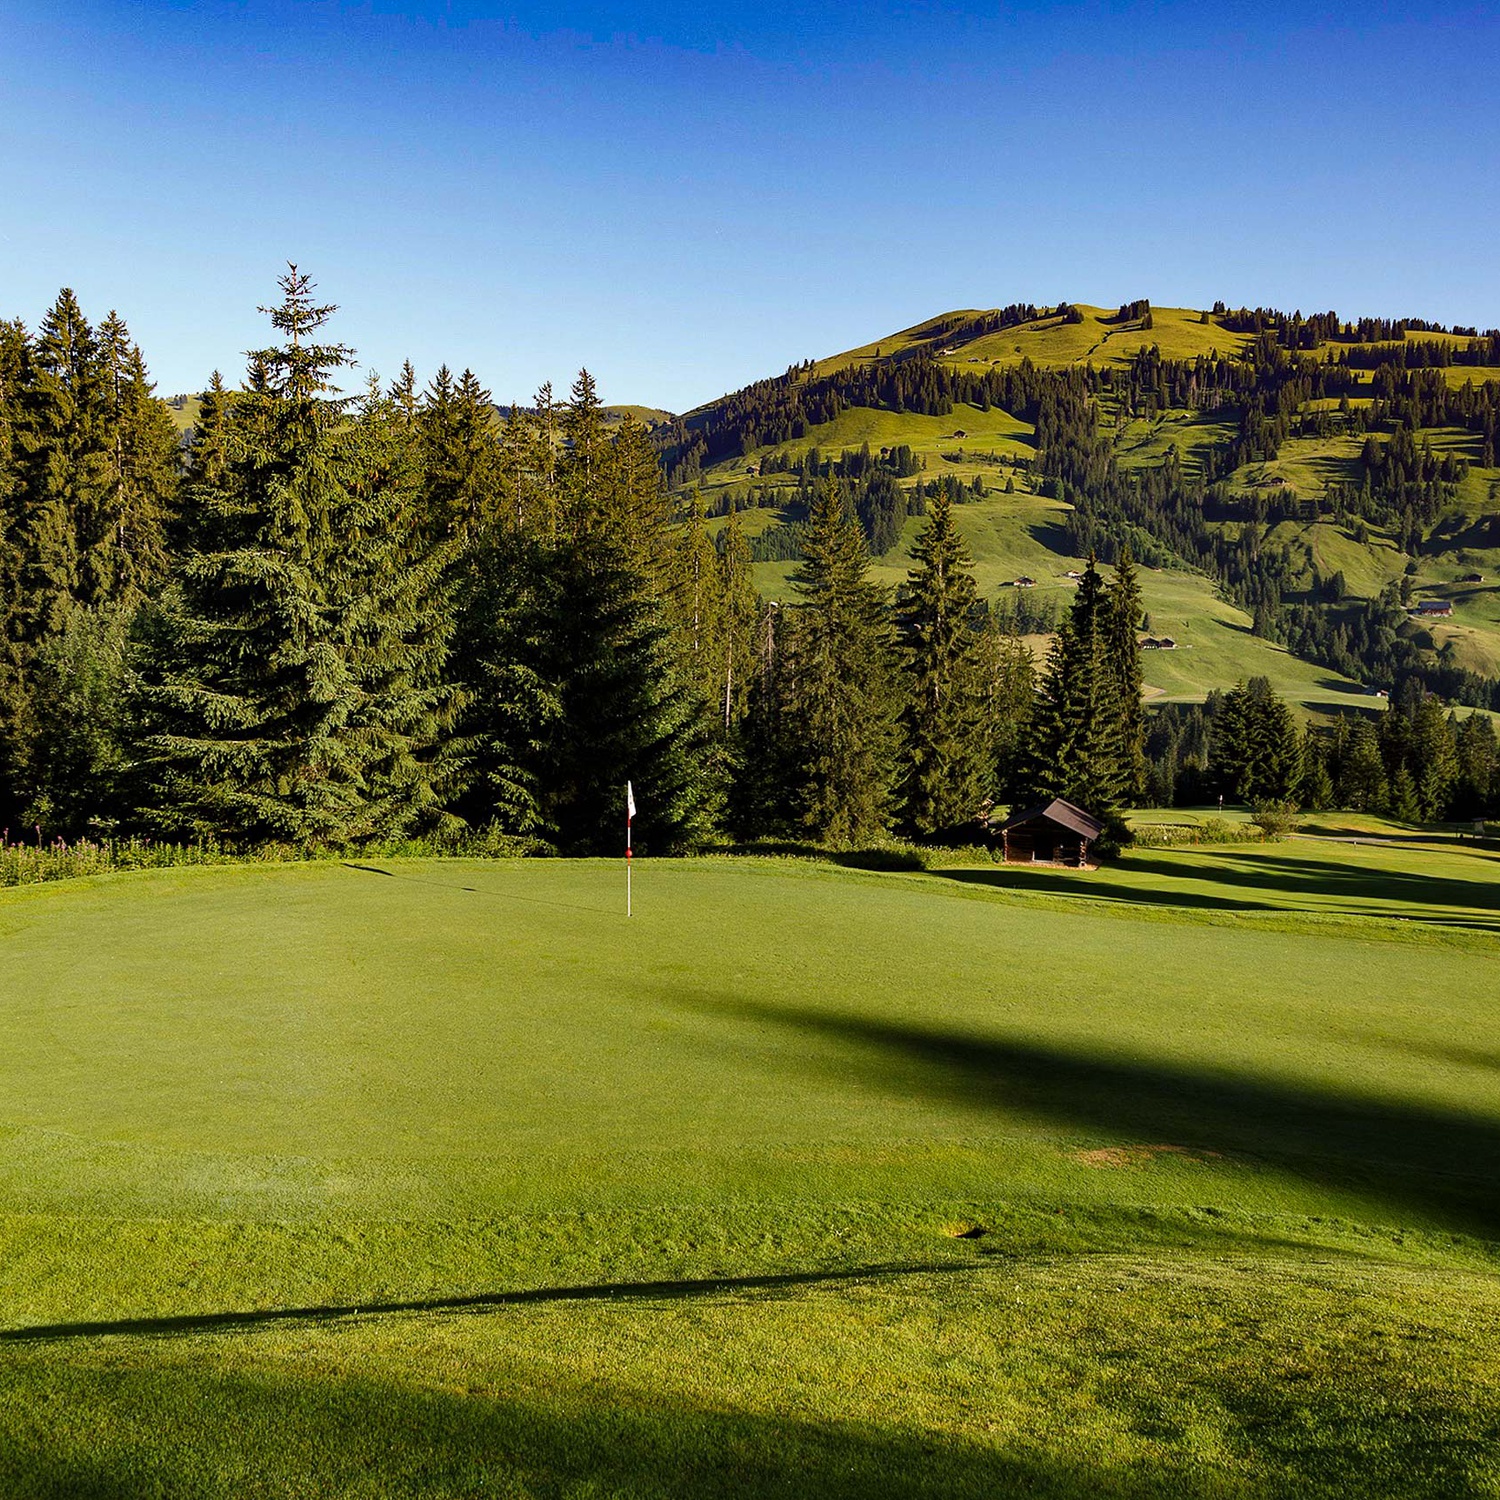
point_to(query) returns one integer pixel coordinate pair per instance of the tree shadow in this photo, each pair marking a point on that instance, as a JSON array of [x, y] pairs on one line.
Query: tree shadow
[[1443, 1164], [471, 890], [619, 1291], [1421, 890], [115, 1432], [1352, 889]]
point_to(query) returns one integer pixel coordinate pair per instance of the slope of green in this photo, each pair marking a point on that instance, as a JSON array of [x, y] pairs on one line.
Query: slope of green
[[441, 1179], [1021, 535], [1101, 338]]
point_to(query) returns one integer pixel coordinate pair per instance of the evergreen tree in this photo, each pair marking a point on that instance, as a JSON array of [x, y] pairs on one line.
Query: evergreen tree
[[948, 770], [1478, 757], [1078, 749], [1257, 748], [580, 689], [1009, 680], [1433, 758], [460, 456], [583, 474], [1125, 613], [637, 510], [1314, 791], [123, 535], [61, 462], [739, 621], [302, 696], [1361, 783], [843, 693]]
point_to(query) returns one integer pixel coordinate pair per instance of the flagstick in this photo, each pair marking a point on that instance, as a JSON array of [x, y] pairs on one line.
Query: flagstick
[[627, 867]]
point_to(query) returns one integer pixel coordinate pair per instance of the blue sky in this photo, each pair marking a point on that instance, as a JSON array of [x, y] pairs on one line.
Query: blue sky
[[687, 197]]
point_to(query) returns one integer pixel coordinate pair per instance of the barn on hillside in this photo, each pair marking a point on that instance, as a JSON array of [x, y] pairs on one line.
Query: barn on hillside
[[1056, 833]]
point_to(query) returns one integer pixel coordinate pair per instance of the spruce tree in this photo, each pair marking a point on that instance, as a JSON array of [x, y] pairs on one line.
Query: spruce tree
[[579, 688], [637, 510], [302, 695], [1257, 747], [1009, 681], [740, 619], [1078, 748], [844, 694], [583, 474], [123, 541], [460, 456], [947, 771], [1125, 612]]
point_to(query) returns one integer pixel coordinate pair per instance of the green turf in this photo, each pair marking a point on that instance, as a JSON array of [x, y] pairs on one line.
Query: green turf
[[1174, 1179]]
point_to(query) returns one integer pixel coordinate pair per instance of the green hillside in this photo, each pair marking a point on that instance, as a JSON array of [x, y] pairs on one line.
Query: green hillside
[[1300, 490]]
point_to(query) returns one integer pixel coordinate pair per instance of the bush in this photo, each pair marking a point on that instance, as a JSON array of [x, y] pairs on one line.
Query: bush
[[1275, 819], [1210, 831]]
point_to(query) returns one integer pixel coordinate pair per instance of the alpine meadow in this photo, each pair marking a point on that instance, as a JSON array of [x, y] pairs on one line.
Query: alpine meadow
[[1051, 1050]]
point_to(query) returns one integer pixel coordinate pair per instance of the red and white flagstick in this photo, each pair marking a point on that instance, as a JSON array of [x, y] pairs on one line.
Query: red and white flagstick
[[629, 819]]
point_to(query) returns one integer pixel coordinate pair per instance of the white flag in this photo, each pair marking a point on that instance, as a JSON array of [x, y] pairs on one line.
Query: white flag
[[629, 804]]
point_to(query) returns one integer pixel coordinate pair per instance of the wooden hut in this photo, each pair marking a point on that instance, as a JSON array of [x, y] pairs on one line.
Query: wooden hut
[[1056, 833]]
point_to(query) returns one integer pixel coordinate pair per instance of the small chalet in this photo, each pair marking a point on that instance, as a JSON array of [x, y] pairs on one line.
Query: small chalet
[[1024, 582], [1057, 833], [1435, 607], [1472, 578]]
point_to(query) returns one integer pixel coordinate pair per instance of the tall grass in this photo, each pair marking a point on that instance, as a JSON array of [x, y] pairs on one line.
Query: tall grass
[[31, 864]]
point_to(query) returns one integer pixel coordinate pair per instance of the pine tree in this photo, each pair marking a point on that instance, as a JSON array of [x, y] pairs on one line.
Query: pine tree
[[1433, 758], [844, 696], [1314, 791], [581, 688], [1362, 784], [460, 456], [61, 462], [947, 772], [1009, 680], [1125, 612], [1478, 755], [740, 618], [302, 698], [638, 512], [583, 477], [123, 535], [1257, 748], [1078, 749]]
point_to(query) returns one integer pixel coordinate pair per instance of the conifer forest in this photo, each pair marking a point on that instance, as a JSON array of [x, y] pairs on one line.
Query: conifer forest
[[319, 619]]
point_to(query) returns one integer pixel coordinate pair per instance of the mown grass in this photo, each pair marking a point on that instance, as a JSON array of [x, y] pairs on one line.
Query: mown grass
[[442, 1178]]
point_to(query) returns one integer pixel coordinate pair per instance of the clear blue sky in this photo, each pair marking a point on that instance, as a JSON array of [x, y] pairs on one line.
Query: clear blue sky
[[687, 197]]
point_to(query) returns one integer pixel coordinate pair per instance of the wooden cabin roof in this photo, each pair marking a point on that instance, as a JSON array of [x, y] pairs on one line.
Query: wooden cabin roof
[[1057, 811]]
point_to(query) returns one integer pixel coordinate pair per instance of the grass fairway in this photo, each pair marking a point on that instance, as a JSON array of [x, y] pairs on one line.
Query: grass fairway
[[441, 1179]]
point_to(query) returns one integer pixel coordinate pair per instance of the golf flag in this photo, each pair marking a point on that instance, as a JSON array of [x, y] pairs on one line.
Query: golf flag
[[629, 819]]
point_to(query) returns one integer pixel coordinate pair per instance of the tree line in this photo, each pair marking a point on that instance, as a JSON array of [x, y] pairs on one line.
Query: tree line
[[324, 619], [1417, 761]]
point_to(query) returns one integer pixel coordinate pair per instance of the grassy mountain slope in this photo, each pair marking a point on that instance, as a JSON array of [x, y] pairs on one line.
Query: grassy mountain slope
[[1021, 532]]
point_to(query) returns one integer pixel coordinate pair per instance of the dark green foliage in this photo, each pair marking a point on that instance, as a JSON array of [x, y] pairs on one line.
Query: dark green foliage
[[1257, 749], [579, 688], [1079, 749], [301, 695], [843, 698], [460, 459], [1125, 612], [949, 763]]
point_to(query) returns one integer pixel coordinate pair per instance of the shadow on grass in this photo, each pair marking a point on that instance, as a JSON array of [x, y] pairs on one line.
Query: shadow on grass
[[472, 890], [194, 1428], [1441, 1164], [640, 1291], [1351, 889]]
